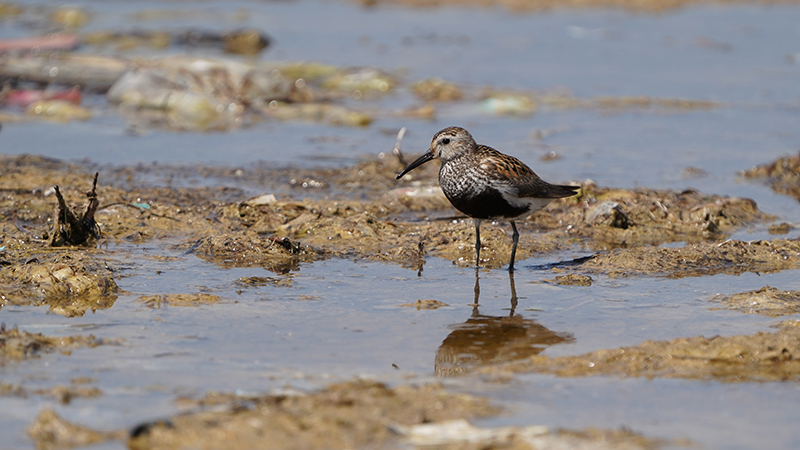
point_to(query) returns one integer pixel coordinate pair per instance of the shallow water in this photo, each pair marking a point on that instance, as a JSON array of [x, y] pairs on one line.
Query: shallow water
[[340, 318]]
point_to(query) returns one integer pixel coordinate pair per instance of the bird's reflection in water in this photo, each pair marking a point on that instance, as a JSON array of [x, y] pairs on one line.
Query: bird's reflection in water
[[484, 340]]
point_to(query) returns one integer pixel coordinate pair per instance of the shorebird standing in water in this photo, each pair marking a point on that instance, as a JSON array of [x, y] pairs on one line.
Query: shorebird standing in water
[[487, 185]]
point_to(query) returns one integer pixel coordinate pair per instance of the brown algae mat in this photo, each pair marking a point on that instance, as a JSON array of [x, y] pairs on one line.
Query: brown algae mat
[[764, 356]]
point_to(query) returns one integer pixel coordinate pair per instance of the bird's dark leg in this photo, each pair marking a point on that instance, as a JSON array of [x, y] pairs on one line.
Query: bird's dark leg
[[514, 239], [477, 242], [513, 294], [475, 303]]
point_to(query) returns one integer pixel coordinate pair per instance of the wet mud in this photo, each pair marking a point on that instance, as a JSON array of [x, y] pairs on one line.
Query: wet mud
[[731, 257], [372, 228], [293, 223], [404, 225], [356, 414], [51, 432], [69, 282], [767, 301], [17, 345], [783, 175], [571, 279], [762, 357]]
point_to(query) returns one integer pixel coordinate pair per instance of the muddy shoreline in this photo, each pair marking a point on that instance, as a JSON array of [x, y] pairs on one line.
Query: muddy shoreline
[[405, 224]]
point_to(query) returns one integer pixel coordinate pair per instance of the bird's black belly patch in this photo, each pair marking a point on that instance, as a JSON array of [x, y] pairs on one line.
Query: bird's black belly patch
[[487, 204]]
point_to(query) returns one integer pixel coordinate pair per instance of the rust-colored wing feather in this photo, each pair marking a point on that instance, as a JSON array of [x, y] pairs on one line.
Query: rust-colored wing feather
[[519, 176]]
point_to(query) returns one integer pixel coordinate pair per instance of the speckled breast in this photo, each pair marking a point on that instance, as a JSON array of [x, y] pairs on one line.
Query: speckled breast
[[469, 190]]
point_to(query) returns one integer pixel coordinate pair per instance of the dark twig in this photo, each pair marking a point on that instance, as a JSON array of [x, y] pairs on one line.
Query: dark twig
[[68, 228]]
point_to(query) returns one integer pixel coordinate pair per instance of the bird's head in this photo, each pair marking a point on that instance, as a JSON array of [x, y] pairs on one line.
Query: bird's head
[[446, 145]]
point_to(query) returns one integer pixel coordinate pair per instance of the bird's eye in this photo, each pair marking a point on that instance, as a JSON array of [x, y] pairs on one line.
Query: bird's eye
[[446, 141]]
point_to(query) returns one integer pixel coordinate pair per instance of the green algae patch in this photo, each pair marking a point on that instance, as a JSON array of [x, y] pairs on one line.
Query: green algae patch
[[767, 301], [764, 356], [732, 257]]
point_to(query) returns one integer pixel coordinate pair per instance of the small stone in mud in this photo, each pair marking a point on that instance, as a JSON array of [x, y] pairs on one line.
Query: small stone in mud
[[426, 304], [767, 301], [550, 156], [265, 199], [609, 214]]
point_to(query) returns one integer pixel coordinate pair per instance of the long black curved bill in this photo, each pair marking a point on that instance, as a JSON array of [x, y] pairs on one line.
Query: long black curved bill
[[427, 156]]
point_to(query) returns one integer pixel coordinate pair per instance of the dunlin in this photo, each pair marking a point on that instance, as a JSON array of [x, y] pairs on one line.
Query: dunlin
[[487, 185]]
